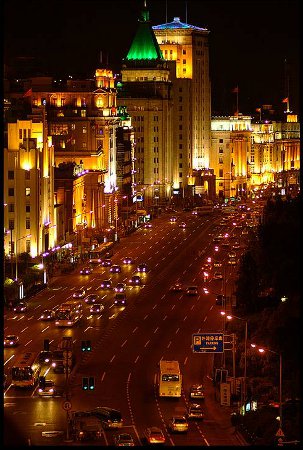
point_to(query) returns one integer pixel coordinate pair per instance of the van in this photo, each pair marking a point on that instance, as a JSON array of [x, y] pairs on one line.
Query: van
[[109, 417]]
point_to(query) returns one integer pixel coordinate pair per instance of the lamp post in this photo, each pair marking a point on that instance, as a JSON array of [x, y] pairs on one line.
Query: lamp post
[[263, 350], [23, 237], [229, 317]]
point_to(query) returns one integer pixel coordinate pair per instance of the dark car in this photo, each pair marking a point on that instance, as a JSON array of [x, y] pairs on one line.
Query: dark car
[[128, 260], [96, 308], [106, 262], [11, 340], [177, 287], [47, 314], [115, 268], [86, 271], [106, 284], [142, 267], [79, 293], [124, 440], [109, 417], [120, 299], [121, 287], [45, 357], [91, 298], [20, 308], [197, 391], [135, 280]]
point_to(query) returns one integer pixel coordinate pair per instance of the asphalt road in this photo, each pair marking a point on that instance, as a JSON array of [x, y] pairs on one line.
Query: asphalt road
[[128, 342]]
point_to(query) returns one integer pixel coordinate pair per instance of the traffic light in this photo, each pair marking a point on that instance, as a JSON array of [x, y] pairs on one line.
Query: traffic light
[[85, 383], [86, 346], [91, 383], [46, 345]]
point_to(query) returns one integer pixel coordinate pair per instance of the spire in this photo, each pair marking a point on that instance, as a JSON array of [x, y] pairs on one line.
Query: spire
[[144, 45]]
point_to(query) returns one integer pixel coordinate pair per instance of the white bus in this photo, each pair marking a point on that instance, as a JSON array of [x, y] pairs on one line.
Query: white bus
[[104, 250], [68, 314], [26, 370], [203, 210], [169, 379]]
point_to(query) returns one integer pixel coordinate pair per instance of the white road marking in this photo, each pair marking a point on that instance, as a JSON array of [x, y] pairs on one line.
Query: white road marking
[[177, 330], [122, 345], [168, 344], [27, 343], [23, 329], [145, 317], [165, 317], [137, 358], [44, 329], [102, 378], [135, 329], [113, 358], [156, 330], [146, 343]]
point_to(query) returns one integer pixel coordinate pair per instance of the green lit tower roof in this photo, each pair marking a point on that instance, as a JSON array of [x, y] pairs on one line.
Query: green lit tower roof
[[144, 45]]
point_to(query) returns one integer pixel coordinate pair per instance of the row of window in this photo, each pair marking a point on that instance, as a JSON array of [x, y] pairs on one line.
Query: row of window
[[11, 207], [11, 245], [11, 224], [11, 192]]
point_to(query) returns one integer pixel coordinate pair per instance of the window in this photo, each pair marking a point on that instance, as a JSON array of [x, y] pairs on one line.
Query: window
[[11, 224], [11, 174], [184, 61], [180, 155], [73, 126], [180, 147], [180, 136], [180, 165], [184, 52], [83, 112], [27, 175], [27, 191], [180, 127], [180, 174], [28, 208], [62, 143], [84, 130], [83, 144], [11, 247], [220, 150], [180, 89], [180, 99], [28, 224], [20, 134], [28, 246], [62, 101], [220, 141], [11, 192], [11, 207], [220, 160], [220, 173], [180, 117]]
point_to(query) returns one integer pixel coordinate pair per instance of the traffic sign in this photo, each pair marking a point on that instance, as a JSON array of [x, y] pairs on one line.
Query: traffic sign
[[280, 433], [208, 343], [66, 405]]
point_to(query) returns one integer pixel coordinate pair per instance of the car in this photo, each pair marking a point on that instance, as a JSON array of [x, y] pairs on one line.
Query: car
[[48, 390], [232, 262], [178, 424], [236, 245], [47, 314], [86, 271], [207, 266], [195, 411], [177, 287], [142, 267], [225, 245], [95, 260], [197, 391], [135, 280], [232, 255], [124, 440], [128, 260], [220, 299], [148, 225], [96, 308], [154, 435], [91, 298], [11, 340], [192, 290], [106, 262], [109, 417], [79, 293], [106, 284], [121, 287], [115, 268], [45, 357], [20, 308], [120, 299], [244, 232], [217, 264], [182, 225], [218, 276], [173, 219]]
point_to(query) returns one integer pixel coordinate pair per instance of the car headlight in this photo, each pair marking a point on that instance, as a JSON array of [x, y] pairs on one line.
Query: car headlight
[[40, 390]]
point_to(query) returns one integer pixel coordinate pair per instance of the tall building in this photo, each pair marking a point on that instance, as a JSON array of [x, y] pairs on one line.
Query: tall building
[[187, 46]]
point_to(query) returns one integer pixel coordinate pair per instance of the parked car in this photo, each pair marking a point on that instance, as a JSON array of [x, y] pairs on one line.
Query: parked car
[[197, 391], [178, 424], [195, 411], [20, 308], [154, 435], [124, 440], [11, 340]]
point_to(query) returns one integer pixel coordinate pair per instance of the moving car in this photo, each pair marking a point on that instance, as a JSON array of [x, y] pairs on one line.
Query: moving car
[[135, 280], [115, 268], [106, 262], [91, 298], [20, 308], [86, 270], [11, 340], [142, 267], [178, 424], [121, 287], [192, 290], [217, 264], [128, 260], [109, 417], [48, 390], [220, 299], [148, 225], [120, 298], [173, 219], [154, 435], [97, 308], [45, 357], [106, 284], [177, 287], [47, 314], [182, 225], [197, 391], [218, 276], [79, 293], [195, 411], [232, 261], [124, 440]]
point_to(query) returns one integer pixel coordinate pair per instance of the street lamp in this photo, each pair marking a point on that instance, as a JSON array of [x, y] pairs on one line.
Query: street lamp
[[263, 350], [229, 317]]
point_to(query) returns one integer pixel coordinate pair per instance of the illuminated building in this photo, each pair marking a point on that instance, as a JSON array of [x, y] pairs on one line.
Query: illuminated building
[[187, 46], [29, 217]]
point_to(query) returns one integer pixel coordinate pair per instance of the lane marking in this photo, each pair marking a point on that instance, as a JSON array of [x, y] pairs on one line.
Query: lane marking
[[122, 345], [136, 328], [156, 329], [113, 358], [137, 358], [177, 330], [165, 317], [146, 343], [102, 378]]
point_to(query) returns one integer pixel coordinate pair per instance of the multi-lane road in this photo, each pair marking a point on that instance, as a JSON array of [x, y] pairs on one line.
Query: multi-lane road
[[128, 342]]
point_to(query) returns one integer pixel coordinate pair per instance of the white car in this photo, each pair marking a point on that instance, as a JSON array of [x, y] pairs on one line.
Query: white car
[[178, 424], [48, 390]]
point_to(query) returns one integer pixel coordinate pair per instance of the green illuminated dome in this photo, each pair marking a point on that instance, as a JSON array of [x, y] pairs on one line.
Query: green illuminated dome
[[144, 45]]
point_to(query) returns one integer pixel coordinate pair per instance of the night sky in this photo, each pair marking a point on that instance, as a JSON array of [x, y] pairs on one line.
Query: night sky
[[249, 41]]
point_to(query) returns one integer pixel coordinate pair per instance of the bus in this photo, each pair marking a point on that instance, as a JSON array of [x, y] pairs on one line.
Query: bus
[[169, 379], [203, 210], [26, 370], [67, 314], [104, 250]]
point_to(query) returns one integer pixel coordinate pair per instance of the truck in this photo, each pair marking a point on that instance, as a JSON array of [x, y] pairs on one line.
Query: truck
[[85, 427]]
